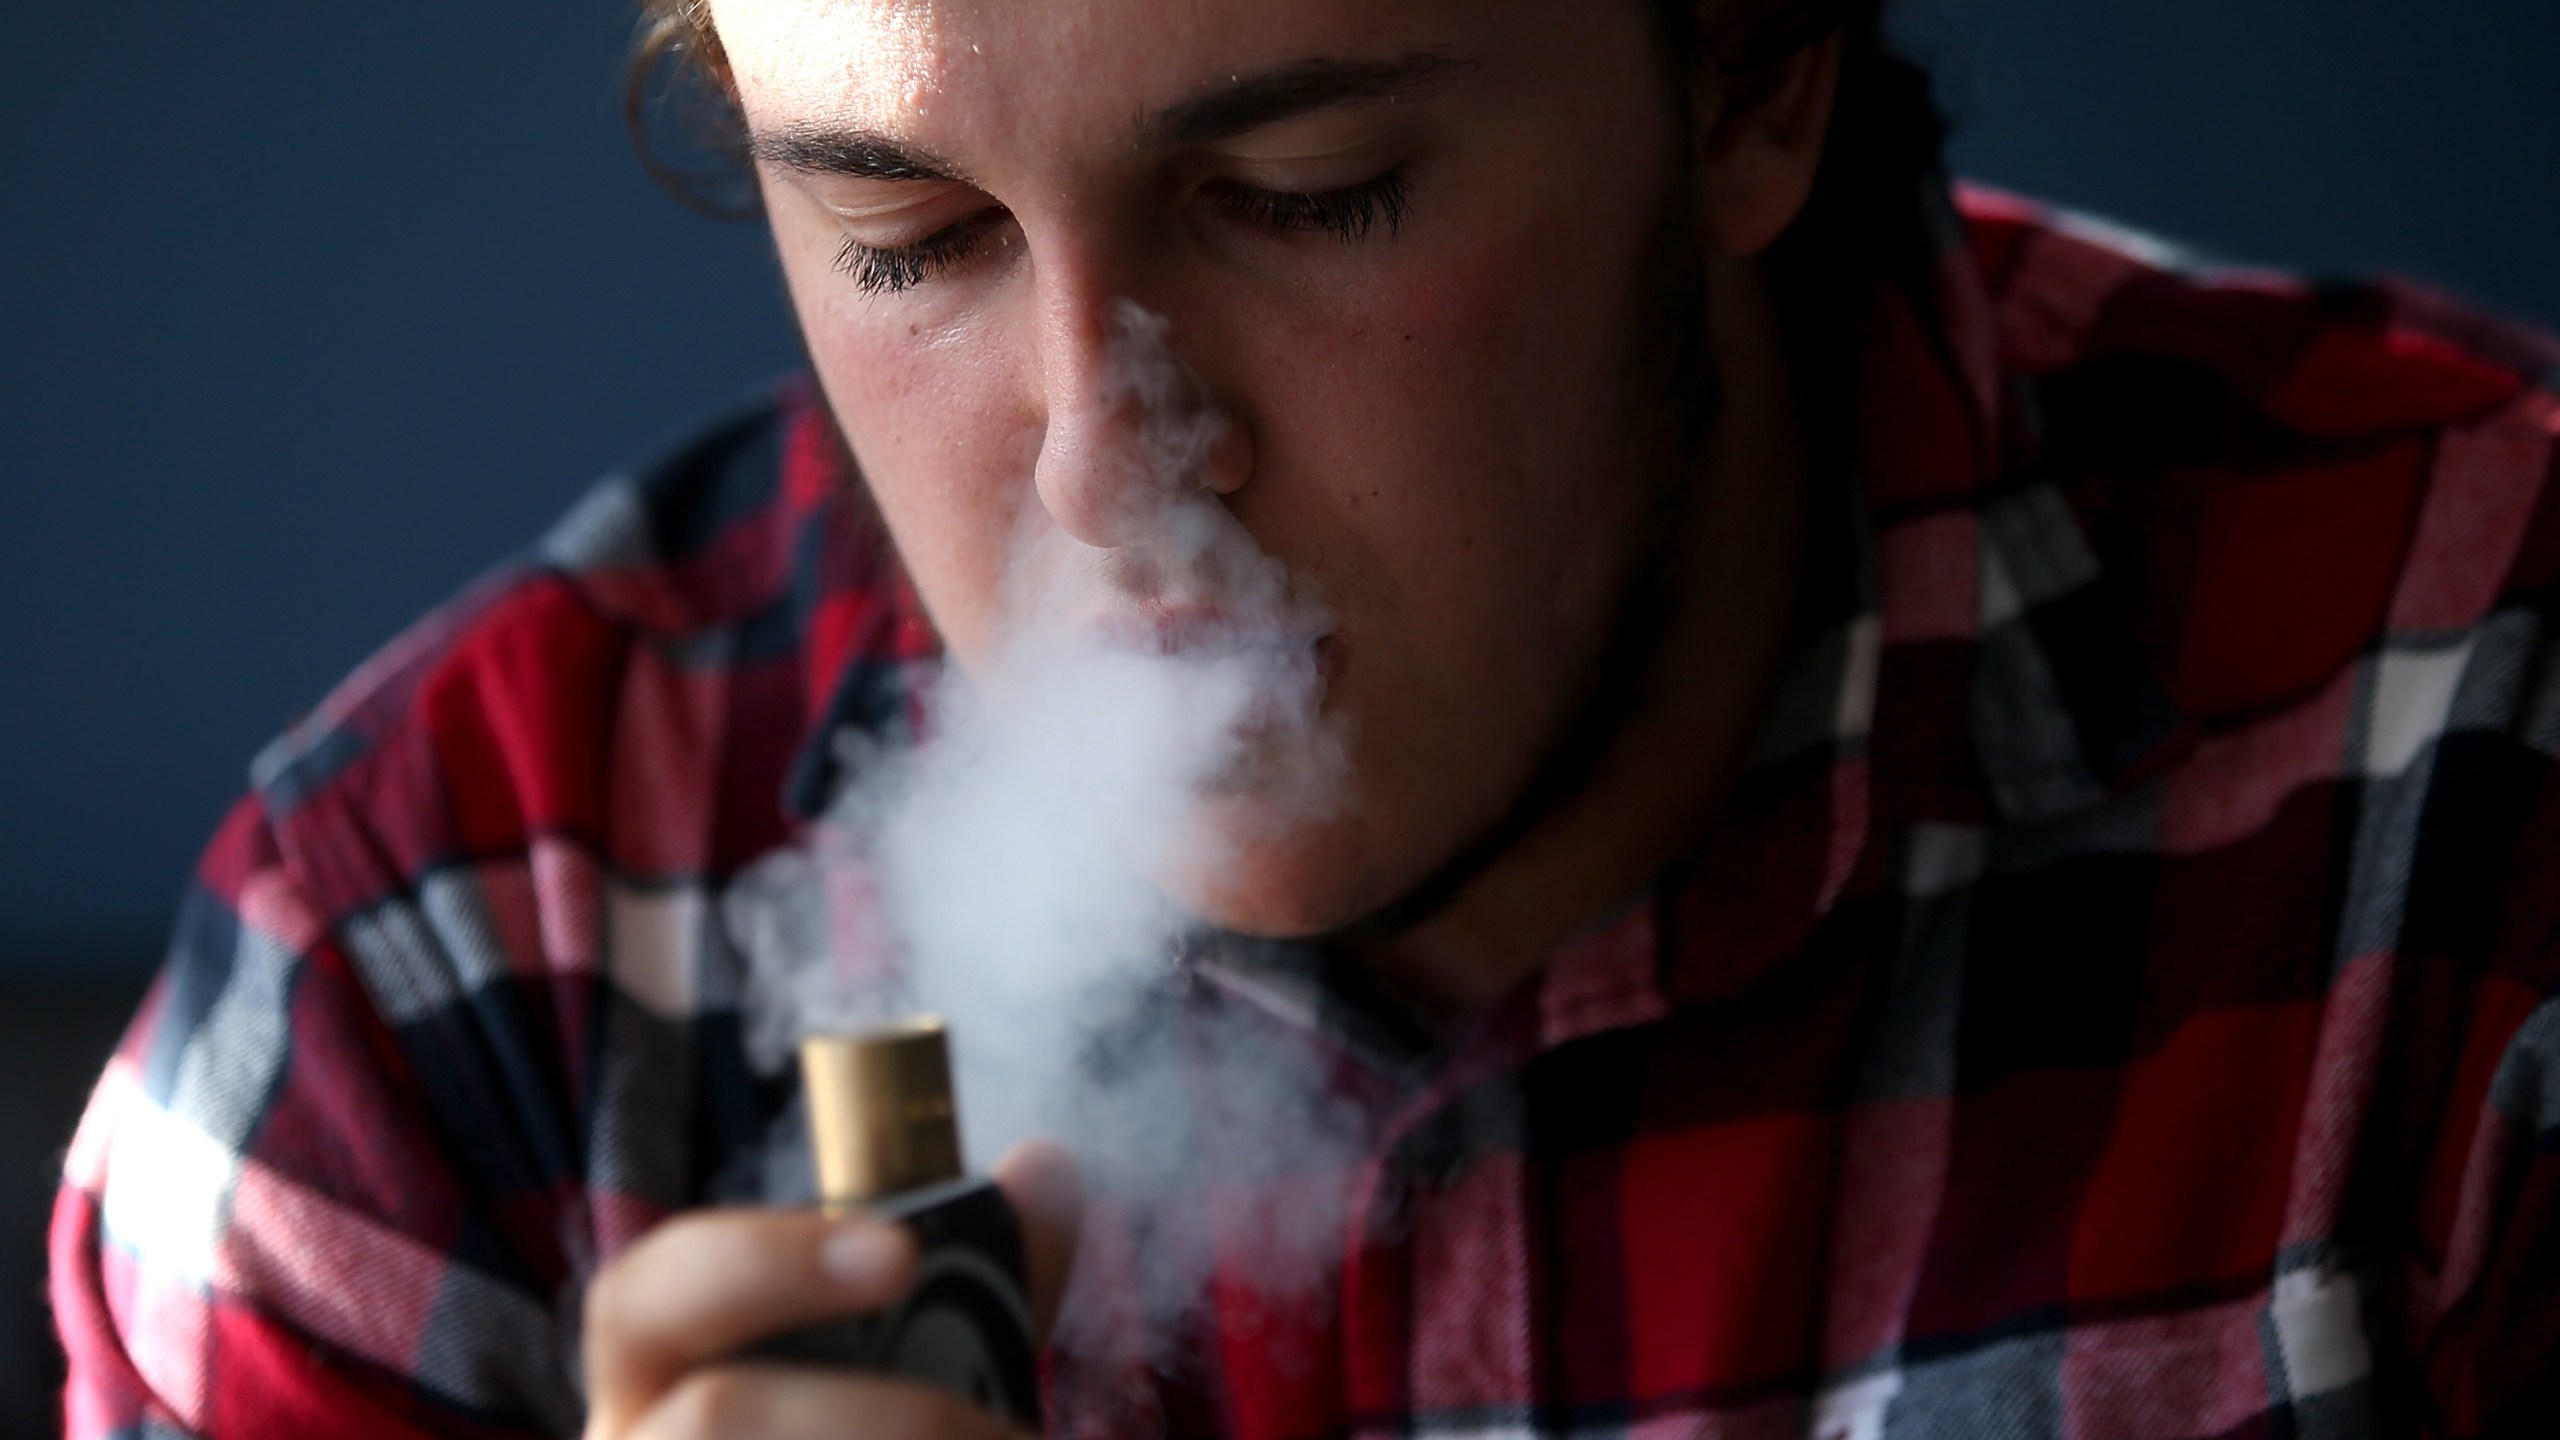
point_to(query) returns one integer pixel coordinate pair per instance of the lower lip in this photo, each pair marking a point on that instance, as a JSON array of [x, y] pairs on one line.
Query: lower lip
[[1174, 642], [1178, 640], [1181, 639]]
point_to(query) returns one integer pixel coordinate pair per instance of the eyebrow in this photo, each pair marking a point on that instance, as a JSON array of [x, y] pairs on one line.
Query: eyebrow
[[1242, 105], [814, 150], [1252, 102]]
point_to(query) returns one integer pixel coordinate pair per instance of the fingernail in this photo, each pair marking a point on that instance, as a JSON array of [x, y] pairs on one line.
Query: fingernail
[[862, 1254]]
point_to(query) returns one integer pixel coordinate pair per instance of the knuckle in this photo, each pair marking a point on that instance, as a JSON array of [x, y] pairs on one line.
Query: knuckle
[[610, 1291], [603, 1299], [718, 1401], [600, 1313], [904, 1409], [622, 1295]]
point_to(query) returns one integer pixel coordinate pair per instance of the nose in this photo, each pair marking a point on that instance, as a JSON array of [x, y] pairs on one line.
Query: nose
[[1130, 429]]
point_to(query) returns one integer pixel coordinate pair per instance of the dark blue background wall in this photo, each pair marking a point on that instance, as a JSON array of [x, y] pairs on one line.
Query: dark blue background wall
[[2413, 135], [308, 311]]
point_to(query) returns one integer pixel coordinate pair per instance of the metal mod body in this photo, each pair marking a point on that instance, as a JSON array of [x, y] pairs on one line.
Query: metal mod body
[[886, 1139]]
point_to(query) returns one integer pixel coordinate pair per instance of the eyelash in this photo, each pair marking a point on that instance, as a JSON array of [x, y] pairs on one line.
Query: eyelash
[[878, 270], [1351, 213]]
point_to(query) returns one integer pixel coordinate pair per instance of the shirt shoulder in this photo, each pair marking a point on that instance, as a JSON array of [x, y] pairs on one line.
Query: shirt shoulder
[[2291, 474], [631, 687], [458, 949]]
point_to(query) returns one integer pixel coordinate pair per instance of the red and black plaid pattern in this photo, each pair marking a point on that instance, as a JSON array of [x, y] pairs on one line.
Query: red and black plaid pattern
[[2117, 1001]]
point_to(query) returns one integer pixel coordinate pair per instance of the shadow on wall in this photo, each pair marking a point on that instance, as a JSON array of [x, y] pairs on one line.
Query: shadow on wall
[[54, 1039]]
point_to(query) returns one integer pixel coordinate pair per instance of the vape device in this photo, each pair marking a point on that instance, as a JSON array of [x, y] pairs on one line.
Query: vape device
[[886, 1139]]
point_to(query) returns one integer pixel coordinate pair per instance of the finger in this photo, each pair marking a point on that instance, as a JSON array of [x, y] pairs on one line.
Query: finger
[[797, 1402], [705, 1284], [1047, 1192]]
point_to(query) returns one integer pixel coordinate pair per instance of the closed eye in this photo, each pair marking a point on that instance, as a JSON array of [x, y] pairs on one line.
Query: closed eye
[[888, 269], [1350, 212]]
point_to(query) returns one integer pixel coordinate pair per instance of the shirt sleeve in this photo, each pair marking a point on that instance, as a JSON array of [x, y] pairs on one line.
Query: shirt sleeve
[[264, 1229], [2485, 1294]]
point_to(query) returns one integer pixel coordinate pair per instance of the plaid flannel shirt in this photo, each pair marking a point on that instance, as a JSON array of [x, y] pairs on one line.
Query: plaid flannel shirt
[[2118, 999]]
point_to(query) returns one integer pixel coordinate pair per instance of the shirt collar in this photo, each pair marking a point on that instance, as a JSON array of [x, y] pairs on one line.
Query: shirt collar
[[1964, 656], [2012, 685]]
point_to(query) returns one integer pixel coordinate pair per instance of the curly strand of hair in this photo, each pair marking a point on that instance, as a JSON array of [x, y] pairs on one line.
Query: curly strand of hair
[[681, 115]]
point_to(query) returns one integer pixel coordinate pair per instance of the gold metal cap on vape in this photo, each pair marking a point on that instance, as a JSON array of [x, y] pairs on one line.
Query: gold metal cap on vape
[[880, 1114]]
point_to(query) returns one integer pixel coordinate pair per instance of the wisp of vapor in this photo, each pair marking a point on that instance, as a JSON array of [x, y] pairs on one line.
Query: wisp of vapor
[[1007, 868]]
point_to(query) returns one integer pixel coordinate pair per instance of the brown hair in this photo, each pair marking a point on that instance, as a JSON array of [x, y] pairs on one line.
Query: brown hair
[[677, 107]]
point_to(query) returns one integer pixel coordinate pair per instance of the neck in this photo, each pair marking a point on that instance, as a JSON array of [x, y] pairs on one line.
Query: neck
[[1732, 585]]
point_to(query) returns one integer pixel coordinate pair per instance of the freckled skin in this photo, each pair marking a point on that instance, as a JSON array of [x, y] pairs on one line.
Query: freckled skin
[[1441, 432]]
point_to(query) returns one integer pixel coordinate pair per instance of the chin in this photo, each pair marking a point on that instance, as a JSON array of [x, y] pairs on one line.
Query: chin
[[1275, 877]]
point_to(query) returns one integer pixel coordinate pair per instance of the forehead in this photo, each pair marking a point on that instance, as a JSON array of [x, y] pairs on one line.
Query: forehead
[[1031, 65], [828, 56]]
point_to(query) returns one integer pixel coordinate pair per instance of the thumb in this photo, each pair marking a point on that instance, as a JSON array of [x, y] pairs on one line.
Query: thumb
[[1047, 1192]]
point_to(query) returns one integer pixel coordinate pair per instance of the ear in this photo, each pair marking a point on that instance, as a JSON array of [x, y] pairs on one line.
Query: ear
[[1760, 142]]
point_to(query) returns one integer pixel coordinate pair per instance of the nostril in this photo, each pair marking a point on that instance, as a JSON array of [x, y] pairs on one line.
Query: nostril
[[1226, 459], [1190, 443]]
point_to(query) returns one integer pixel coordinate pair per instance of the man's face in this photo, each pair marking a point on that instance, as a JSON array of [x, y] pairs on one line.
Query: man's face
[[1398, 246]]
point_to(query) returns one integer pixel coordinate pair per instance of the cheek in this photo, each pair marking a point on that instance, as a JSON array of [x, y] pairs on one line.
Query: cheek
[[942, 443], [1468, 434], [1461, 434]]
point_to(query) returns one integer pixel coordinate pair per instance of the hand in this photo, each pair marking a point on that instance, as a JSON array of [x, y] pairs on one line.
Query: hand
[[665, 1320]]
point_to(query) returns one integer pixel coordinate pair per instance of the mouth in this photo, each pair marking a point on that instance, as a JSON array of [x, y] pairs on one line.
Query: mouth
[[1292, 680], [1199, 632]]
